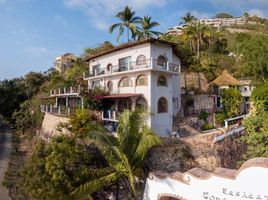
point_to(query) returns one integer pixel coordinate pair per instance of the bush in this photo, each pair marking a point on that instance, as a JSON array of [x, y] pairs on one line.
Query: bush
[[207, 127], [220, 117], [203, 115]]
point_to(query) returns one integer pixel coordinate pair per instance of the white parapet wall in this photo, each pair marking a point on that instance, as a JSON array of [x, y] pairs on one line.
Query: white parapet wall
[[51, 123], [249, 182]]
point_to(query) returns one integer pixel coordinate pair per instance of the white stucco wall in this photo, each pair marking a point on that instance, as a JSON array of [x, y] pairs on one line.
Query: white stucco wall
[[161, 123]]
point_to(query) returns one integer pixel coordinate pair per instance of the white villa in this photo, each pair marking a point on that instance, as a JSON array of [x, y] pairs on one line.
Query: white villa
[[143, 73]]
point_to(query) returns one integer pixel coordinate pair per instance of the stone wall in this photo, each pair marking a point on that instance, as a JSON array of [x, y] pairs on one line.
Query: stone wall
[[196, 151], [50, 125]]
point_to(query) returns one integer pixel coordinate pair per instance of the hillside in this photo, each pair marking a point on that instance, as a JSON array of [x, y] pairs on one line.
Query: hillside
[[233, 48]]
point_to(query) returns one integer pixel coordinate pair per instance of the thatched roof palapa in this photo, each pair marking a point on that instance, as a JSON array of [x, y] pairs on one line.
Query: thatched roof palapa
[[225, 79]]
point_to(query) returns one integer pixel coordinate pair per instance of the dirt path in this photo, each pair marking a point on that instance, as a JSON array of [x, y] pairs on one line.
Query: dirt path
[[5, 150]]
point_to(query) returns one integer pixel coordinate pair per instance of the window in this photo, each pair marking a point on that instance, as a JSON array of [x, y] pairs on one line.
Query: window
[[124, 63], [141, 60], [96, 83], [162, 106], [162, 81], [96, 69], [246, 89], [142, 80], [110, 85], [125, 82], [109, 67], [162, 61]]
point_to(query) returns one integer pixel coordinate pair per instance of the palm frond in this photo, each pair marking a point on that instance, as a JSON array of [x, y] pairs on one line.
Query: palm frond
[[148, 140], [120, 32], [83, 191], [113, 26]]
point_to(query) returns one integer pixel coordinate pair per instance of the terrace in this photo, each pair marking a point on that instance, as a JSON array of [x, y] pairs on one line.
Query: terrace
[[66, 91], [147, 64]]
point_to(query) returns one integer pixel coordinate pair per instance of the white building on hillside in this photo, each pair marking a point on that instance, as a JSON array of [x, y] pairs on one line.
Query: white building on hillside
[[224, 22], [142, 73], [64, 62]]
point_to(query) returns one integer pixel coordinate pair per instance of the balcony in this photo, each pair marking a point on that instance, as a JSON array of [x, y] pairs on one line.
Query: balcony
[[65, 91], [152, 64], [59, 111]]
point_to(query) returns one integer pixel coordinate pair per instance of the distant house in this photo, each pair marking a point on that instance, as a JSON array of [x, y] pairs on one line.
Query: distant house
[[62, 101], [225, 81], [224, 22], [144, 74], [64, 62]]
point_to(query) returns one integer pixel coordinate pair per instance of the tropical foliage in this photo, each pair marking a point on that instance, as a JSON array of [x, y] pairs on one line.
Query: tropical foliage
[[188, 19], [145, 31], [231, 100], [140, 28], [257, 125], [128, 21], [124, 153], [55, 169]]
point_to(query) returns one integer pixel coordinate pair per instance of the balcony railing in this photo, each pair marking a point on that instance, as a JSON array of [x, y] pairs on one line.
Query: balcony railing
[[60, 110], [110, 115], [65, 91], [133, 66]]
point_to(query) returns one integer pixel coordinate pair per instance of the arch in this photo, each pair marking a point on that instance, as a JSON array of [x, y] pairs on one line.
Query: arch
[[110, 85], [162, 81], [141, 60], [162, 61], [109, 67], [162, 105], [125, 82], [141, 102], [142, 80]]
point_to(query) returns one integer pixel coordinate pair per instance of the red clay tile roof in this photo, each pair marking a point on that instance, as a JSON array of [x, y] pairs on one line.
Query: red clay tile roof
[[122, 95], [134, 43]]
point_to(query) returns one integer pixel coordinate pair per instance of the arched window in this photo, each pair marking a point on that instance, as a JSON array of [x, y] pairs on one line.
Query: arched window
[[162, 106], [109, 67], [141, 60], [162, 81], [125, 82], [162, 61], [110, 85], [142, 80]]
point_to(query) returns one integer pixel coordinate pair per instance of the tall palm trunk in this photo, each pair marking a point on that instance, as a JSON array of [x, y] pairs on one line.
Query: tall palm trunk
[[198, 48], [127, 33]]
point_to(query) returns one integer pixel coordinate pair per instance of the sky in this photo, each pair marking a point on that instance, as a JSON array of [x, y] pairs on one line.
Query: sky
[[34, 32]]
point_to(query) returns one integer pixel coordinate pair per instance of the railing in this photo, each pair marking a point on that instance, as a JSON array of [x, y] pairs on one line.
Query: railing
[[65, 91], [132, 66], [109, 115], [60, 110]]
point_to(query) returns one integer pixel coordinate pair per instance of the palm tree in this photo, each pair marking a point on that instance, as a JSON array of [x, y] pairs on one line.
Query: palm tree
[[128, 21], [188, 18], [145, 31], [196, 33], [125, 153]]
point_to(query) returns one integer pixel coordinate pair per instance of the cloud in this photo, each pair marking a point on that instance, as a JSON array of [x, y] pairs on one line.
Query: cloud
[[36, 50], [101, 12], [256, 12]]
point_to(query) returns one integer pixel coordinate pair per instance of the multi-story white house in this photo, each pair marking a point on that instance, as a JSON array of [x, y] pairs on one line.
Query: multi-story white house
[[143, 73]]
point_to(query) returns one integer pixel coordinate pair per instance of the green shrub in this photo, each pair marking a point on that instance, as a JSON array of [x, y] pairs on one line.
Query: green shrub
[[207, 127], [203, 115], [220, 117]]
